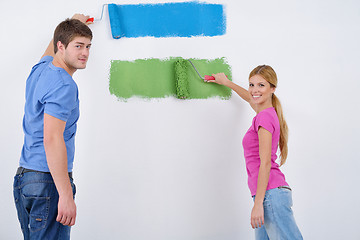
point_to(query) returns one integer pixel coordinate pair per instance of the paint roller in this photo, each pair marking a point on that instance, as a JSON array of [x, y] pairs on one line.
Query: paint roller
[[182, 80], [91, 20], [114, 17], [115, 20]]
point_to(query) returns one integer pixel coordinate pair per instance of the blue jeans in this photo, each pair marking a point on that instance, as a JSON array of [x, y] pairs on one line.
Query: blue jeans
[[279, 221], [36, 200]]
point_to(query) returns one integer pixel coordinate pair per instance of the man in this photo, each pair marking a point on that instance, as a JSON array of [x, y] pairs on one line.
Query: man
[[43, 187]]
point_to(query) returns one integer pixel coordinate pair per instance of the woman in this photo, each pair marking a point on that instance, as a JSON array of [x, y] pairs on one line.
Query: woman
[[271, 215]]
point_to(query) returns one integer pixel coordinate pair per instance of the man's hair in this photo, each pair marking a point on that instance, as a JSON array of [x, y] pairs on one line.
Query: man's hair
[[67, 30]]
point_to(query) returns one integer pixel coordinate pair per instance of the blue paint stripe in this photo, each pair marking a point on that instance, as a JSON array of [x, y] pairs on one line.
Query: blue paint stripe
[[184, 19]]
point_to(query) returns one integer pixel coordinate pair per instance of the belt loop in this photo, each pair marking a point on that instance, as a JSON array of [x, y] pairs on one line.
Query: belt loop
[[20, 171]]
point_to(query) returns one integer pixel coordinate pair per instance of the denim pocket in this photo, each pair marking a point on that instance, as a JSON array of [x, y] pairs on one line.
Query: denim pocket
[[38, 210]]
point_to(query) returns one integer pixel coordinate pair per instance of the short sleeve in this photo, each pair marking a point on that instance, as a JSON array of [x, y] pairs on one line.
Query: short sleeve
[[60, 101], [264, 119], [43, 60], [46, 59]]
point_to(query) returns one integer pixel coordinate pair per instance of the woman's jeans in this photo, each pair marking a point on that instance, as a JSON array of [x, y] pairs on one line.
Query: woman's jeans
[[278, 217], [36, 200]]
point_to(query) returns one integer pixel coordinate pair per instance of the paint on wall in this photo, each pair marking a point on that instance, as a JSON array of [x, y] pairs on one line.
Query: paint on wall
[[156, 78], [184, 19]]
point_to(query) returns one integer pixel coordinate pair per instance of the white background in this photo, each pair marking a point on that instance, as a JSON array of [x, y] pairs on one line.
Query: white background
[[167, 169]]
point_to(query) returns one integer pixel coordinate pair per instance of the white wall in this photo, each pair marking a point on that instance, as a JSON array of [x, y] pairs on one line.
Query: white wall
[[169, 169]]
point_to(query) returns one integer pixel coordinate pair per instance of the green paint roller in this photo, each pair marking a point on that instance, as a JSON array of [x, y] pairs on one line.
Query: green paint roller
[[206, 77], [181, 79]]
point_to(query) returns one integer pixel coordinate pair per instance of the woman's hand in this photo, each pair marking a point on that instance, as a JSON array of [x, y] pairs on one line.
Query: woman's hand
[[220, 78], [257, 216]]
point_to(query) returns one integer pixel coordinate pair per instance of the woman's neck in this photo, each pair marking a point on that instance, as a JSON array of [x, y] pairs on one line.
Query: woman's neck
[[261, 107]]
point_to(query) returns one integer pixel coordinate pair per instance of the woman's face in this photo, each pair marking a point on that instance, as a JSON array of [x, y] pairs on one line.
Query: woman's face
[[260, 90]]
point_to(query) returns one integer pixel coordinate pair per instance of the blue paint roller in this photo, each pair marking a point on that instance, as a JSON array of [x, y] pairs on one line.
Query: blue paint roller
[[115, 20], [91, 20]]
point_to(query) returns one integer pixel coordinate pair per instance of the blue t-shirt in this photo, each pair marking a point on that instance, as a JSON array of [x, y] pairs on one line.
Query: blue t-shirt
[[50, 90]]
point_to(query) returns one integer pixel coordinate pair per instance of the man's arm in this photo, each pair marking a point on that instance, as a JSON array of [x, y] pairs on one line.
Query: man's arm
[[49, 50], [56, 157]]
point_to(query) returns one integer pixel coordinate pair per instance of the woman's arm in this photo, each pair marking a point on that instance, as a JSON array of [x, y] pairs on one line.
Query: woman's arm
[[265, 141], [220, 78]]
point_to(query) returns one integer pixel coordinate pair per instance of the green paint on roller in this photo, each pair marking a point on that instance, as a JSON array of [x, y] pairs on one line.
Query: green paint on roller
[[160, 78], [182, 81]]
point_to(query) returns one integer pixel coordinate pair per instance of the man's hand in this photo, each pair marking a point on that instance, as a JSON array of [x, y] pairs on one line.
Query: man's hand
[[66, 211], [82, 18]]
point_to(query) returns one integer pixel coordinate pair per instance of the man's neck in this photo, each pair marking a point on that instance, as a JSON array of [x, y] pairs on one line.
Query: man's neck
[[58, 61]]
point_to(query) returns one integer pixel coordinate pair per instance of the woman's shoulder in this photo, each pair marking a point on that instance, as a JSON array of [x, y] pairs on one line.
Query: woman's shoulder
[[267, 118], [267, 113]]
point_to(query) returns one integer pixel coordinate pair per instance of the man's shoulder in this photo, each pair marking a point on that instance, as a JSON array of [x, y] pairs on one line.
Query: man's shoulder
[[51, 75], [44, 61], [47, 58]]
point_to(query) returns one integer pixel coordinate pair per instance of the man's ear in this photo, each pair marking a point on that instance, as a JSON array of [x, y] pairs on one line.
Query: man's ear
[[60, 46]]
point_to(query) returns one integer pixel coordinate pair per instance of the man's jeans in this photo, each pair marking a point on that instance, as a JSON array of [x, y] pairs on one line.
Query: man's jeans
[[36, 200], [278, 217]]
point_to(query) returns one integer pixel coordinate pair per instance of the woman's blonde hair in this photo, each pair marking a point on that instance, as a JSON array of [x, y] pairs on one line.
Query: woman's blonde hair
[[269, 75]]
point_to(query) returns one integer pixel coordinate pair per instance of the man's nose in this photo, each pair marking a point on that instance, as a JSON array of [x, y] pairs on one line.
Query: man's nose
[[86, 52]]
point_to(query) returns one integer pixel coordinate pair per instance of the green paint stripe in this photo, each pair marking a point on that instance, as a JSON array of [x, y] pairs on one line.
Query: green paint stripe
[[155, 78]]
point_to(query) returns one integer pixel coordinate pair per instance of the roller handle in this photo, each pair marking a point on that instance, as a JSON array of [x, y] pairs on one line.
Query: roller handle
[[207, 77], [90, 20]]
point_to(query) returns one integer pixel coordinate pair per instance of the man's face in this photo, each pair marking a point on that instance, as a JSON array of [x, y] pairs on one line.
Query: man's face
[[77, 52]]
